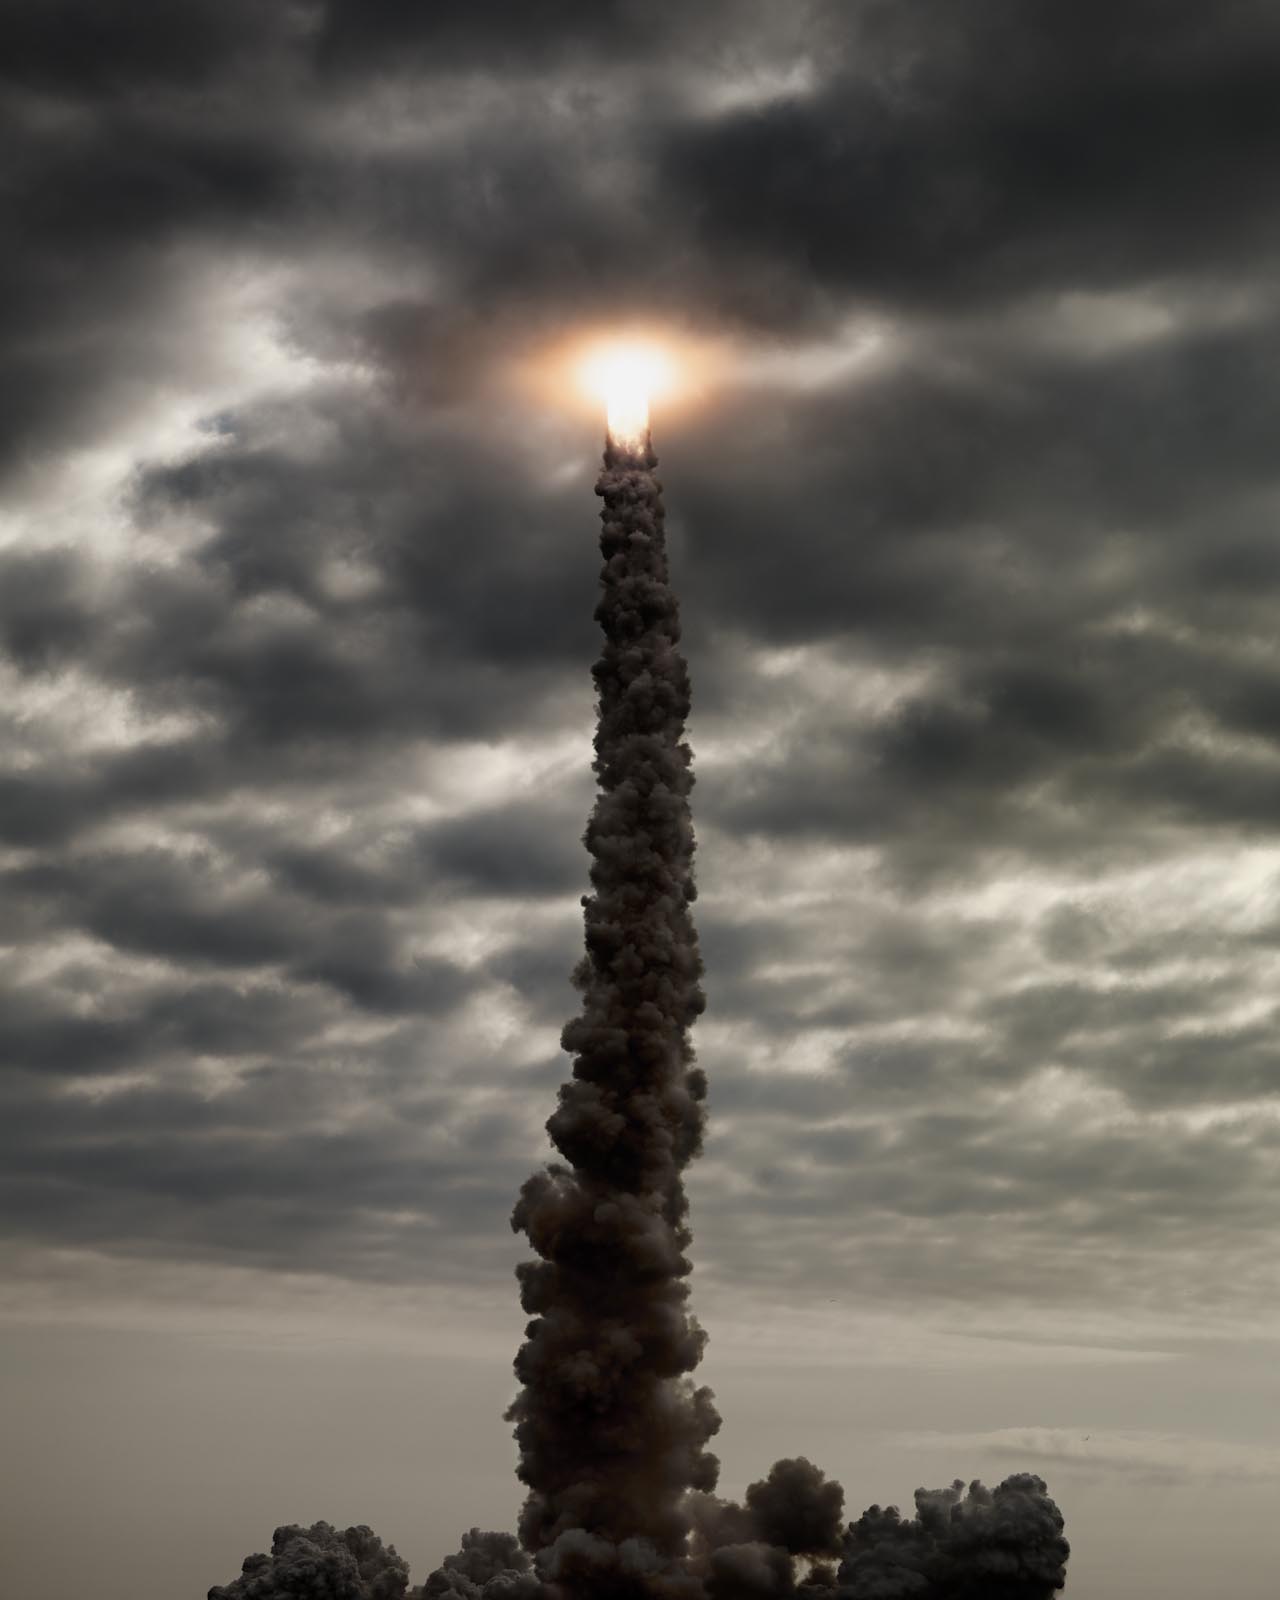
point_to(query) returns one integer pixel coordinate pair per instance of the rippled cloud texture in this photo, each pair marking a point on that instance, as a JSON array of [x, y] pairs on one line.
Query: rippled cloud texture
[[976, 552]]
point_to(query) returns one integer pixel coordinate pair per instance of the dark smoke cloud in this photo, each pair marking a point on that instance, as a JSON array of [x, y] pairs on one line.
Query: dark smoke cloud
[[488, 1563], [796, 1508], [987, 1544], [319, 1563], [612, 1433], [611, 1430], [745, 1571], [1001, 1544], [974, 1544]]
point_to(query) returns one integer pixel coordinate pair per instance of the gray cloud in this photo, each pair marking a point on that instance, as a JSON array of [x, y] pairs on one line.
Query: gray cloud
[[296, 712], [921, 174]]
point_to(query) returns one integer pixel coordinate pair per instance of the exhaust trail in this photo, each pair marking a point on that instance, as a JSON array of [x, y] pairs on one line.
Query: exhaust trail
[[611, 1430]]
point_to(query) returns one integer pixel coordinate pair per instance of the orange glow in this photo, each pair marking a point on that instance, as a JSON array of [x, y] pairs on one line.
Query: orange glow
[[625, 376], [623, 370]]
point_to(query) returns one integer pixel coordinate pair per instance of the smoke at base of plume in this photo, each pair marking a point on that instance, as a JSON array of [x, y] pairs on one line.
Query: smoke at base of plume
[[974, 1544], [319, 1563]]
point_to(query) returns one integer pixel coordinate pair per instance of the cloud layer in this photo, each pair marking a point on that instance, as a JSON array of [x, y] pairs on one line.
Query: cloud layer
[[295, 613]]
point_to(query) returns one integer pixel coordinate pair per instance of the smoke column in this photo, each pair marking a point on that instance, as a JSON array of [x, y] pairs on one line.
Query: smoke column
[[612, 1432], [610, 1428]]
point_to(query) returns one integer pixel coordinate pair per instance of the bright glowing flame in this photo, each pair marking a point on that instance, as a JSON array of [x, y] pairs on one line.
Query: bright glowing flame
[[625, 376]]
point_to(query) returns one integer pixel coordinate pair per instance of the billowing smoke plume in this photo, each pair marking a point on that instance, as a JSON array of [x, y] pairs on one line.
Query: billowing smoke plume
[[488, 1563], [796, 1508], [319, 1563], [1002, 1544], [612, 1433]]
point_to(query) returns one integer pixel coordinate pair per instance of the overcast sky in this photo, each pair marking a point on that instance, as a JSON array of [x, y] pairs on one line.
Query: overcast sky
[[975, 539]]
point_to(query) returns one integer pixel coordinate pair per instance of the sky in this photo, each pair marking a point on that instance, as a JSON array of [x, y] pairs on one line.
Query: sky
[[972, 524]]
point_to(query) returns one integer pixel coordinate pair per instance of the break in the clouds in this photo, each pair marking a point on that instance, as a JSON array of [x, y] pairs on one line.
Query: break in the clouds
[[295, 610]]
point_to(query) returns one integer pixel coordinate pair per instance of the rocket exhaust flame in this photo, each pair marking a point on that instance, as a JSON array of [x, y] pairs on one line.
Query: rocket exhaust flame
[[628, 418], [626, 377], [611, 1430]]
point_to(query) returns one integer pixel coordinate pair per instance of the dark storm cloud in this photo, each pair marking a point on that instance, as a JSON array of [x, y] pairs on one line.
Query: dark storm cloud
[[526, 849], [428, 641], [538, 973], [1094, 155], [320, 1561], [72, 794], [116, 188], [78, 47], [970, 487], [310, 1178], [1023, 551], [519, 849], [505, 35], [181, 910], [136, 152], [1021, 170], [46, 617]]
